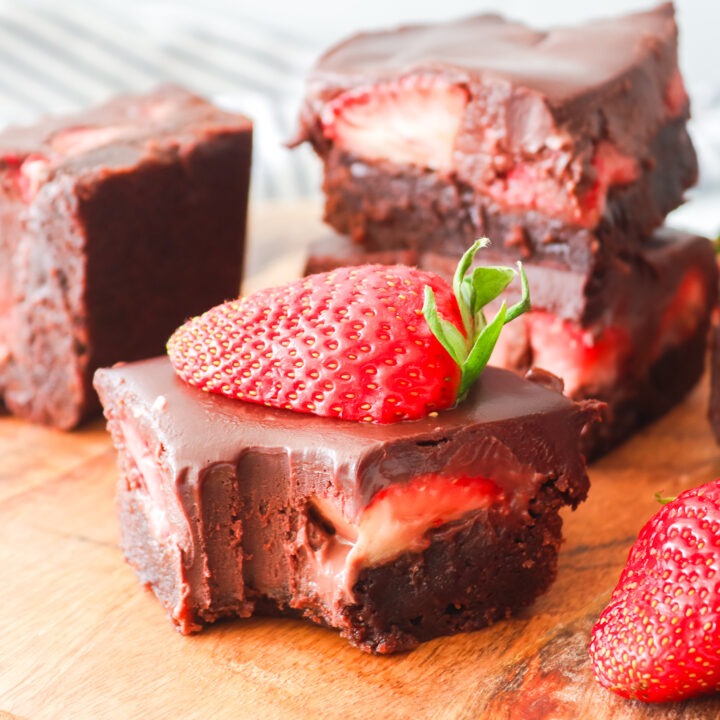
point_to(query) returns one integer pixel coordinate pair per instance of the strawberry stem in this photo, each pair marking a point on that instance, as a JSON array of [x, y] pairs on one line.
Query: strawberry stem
[[471, 350], [664, 499]]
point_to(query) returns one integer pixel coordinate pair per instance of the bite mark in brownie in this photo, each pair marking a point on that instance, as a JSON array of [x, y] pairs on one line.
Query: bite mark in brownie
[[230, 508], [117, 225]]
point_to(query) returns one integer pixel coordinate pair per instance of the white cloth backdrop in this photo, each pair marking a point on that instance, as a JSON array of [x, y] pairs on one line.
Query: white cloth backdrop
[[59, 56]]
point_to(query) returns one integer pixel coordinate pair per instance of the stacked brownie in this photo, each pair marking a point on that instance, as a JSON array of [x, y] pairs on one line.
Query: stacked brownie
[[117, 225], [567, 149]]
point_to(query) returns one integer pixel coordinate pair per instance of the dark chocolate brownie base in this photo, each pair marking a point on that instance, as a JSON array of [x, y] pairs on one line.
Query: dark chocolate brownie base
[[384, 206], [158, 565], [471, 576], [137, 222], [224, 505]]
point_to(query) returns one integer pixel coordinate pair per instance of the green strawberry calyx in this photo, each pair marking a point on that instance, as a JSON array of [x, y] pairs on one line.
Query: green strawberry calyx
[[664, 499], [471, 350]]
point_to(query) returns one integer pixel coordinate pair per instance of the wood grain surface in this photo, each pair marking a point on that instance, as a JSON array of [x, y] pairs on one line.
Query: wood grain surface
[[81, 639]]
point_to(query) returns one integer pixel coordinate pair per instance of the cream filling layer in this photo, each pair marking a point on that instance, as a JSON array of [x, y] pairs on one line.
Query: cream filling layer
[[397, 521]]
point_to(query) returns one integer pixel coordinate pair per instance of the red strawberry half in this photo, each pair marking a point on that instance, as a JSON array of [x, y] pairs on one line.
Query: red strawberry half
[[413, 120], [659, 638], [371, 343]]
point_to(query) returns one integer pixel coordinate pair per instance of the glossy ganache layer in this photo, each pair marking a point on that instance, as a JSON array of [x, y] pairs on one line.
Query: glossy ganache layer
[[230, 508], [133, 209], [572, 67]]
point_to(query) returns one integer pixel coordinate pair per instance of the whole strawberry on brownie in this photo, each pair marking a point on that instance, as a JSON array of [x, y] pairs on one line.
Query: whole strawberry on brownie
[[659, 639], [370, 343], [336, 449]]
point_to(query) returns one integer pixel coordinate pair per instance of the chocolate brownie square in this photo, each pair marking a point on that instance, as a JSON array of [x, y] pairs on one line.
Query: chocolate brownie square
[[117, 224], [568, 145], [392, 534]]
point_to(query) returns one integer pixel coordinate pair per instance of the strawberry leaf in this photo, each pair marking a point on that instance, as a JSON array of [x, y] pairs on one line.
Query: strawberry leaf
[[478, 357], [523, 305], [488, 283], [449, 336], [472, 351], [464, 291]]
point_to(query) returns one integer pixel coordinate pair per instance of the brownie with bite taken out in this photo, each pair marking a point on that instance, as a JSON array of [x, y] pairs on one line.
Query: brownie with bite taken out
[[392, 534], [332, 449]]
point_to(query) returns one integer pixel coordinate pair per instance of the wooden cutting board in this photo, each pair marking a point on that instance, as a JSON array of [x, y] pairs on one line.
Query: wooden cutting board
[[81, 639]]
